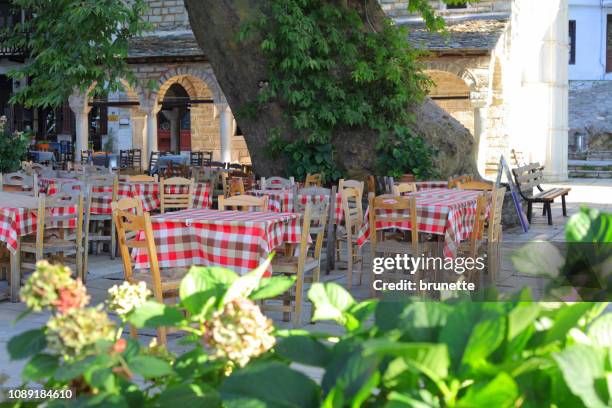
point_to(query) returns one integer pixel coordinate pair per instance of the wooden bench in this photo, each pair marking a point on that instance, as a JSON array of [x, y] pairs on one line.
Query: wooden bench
[[530, 176]]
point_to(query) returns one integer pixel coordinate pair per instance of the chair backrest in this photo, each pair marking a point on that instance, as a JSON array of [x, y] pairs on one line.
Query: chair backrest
[[206, 158], [176, 193], [37, 168], [314, 222], [196, 158], [97, 189], [528, 177], [136, 158], [128, 226], [359, 185], [401, 188], [386, 208], [456, 181], [478, 225], [313, 190], [60, 211], [20, 182], [243, 203], [495, 214], [128, 204], [352, 208], [153, 157], [276, 183], [313, 180], [407, 178]]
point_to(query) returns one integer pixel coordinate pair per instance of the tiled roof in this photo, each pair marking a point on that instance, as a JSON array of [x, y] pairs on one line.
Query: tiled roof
[[473, 33], [171, 45]]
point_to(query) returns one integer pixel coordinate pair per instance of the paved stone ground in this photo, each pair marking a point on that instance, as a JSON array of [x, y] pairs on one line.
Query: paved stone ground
[[104, 273]]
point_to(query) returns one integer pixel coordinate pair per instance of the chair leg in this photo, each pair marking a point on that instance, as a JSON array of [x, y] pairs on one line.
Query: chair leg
[[563, 206], [112, 248], [162, 336], [349, 268], [297, 311], [79, 265]]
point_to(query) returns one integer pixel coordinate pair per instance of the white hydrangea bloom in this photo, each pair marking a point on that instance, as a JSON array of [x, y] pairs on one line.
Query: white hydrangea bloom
[[127, 297]]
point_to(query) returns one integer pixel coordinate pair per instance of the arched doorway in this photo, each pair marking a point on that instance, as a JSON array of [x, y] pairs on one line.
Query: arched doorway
[[453, 95], [174, 121]]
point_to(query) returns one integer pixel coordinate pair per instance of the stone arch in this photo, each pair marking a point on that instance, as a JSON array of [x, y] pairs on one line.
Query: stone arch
[[195, 81], [446, 66], [135, 93]]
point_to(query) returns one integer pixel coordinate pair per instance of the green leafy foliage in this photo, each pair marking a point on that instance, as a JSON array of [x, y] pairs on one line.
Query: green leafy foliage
[[74, 44], [332, 72], [13, 148]]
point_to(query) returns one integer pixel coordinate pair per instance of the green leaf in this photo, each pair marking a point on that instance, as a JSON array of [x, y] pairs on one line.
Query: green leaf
[[246, 284], [538, 259], [304, 350], [154, 314], [600, 331], [567, 317], [272, 287], [201, 279], [189, 395], [353, 372], [40, 367], [150, 367], [27, 344], [521, 317], [429, 358], [331, 301], [484, 340], [71, 370], [269, 384], [104, 379], [502, 392], [581, 365]]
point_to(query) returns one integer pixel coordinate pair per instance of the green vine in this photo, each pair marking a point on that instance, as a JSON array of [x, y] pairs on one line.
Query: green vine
[[331, 73]]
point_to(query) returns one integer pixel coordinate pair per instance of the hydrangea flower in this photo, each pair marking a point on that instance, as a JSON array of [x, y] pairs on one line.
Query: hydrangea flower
[[51, 286], [77, 331], [127, 297], [239, 332]]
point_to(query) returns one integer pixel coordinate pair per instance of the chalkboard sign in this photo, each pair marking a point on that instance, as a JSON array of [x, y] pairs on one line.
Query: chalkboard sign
[[503, 168]]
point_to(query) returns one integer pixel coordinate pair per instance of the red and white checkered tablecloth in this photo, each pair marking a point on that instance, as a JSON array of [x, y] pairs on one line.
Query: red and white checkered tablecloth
[[441, 212], [233, 239], [15, 223], [282, 200], [147, 193], [431, 184]]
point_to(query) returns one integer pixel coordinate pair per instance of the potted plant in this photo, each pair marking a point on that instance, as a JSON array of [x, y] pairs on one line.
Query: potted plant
[[42, 145]]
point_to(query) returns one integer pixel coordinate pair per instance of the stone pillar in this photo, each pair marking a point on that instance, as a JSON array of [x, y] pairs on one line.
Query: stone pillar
[[149, 142], [540, 105], [226, 126], [79, 103], [138, 122], [481, 114]]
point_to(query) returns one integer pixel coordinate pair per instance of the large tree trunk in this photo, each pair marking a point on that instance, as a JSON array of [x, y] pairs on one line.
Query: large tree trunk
[[240, 69]]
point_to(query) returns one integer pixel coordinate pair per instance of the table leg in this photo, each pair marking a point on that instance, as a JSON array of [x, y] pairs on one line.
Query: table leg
[[15, 275]]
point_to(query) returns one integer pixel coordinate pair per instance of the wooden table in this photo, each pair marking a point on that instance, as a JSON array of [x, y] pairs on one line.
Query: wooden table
[[11, 204], [476, 185]]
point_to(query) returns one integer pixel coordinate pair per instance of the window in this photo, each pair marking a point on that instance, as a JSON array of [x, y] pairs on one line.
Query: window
[[461, 5], [609, 44], [572, 42]]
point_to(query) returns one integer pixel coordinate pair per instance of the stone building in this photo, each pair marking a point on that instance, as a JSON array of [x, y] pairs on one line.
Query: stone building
[[501, 70]]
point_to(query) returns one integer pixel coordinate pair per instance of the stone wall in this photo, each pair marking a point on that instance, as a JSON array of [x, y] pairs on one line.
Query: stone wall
[[167, 15], [590, 115]]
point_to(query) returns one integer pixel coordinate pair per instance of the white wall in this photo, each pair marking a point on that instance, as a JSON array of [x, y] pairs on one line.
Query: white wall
[[590, 17]]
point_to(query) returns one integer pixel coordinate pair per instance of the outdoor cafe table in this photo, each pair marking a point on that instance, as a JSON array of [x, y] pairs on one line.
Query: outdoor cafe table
[[446, 212], [147, 193], [431, 184], [233, 239], [282, 200]]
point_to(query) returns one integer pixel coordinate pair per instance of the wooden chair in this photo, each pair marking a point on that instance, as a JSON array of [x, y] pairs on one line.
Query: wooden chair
[[164, 283], [403, 209], [96, 230], [153, 158], [454, 182], [243, 203], [313, 180], [55, 238], [276, 183], [493, 233], [181, 199], [352, 195], [401, 188], [305, 268], [472, 247], [235, 186]]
